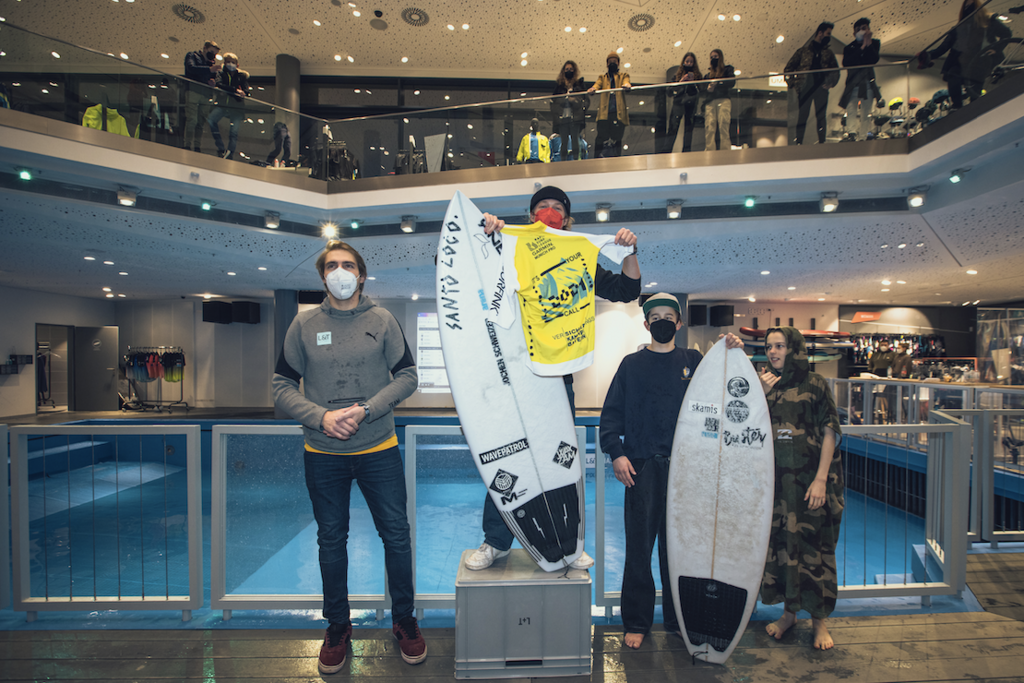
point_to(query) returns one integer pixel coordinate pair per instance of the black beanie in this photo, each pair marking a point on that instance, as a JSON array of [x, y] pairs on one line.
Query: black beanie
[[551, 192]]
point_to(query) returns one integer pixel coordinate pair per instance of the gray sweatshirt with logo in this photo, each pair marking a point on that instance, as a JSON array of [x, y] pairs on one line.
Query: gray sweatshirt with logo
[[343, 358]]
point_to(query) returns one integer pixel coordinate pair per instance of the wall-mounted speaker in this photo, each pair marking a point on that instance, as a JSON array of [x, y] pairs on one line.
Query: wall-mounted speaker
[[217, 312], [698, 314], [721, 316]]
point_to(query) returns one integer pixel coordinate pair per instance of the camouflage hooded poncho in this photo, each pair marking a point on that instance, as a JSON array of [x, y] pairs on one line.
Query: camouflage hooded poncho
[[801, 563]]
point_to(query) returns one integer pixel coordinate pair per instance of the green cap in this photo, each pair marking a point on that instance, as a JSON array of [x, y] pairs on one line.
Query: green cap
[[662, 299]]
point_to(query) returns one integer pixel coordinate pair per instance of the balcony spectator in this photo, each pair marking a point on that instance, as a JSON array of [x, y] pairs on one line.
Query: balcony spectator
[[612, 115], [717, 104], [861, 89], [806, 89], [684, 103], [568, 112], [969, 61], [201, 67], [232, 89]]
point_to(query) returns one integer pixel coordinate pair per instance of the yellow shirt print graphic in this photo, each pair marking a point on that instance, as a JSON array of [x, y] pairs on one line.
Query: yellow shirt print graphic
[[550, 273]]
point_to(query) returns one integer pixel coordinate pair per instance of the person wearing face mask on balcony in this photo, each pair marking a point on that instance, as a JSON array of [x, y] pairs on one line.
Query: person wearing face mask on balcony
[[568, 111], [201, 67], [551, 206], [612, 115], [717, 104], [232, 89], [861, 89], [684, 103], [806, 89]]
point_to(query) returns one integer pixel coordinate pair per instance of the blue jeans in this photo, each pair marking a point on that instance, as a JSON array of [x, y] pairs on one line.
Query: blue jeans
[[381, 479], [496, 532], [235, 116]]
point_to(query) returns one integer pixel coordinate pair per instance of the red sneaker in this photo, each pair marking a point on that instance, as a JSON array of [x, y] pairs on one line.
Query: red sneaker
[[335, 648], [410, 640]]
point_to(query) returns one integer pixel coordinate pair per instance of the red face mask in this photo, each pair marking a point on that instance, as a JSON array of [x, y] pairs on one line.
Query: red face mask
[[550, 217]]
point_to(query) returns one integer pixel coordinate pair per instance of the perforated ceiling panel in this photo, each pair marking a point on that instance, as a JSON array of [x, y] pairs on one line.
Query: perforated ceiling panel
[[499, 32]]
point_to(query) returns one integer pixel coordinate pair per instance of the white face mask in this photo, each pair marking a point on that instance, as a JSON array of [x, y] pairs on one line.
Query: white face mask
[[341, 283], [860, 35]]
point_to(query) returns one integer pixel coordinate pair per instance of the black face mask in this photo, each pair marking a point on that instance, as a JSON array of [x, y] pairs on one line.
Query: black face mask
[[613, 68], [569, 73], [210, 56], [714, 61], [663, 330], [687, 68]]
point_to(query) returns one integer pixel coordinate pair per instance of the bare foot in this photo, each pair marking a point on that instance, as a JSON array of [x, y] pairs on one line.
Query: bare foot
[[822, 638], [633, 640], [777, 629]]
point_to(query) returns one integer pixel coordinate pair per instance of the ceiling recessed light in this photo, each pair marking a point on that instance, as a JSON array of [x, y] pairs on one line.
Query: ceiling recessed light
[[122, 296], [108, 263], [123, 272], [751, 298], [885, 289], [56, 55], [106, 289], [583, 29], [262, 268], [337, 58], [736, 17], [110, 296], [90, 258], [619, 51], [568, 29], [524, 55], [356, 13], [465, 27], [885, 246], [404, 60], [351, 58], [721, 17], [780, 39], [231, 272], [766, 272], [124, 56], [901, 282], [165, 55], [972, 272], [626, 66], [886, 282], [737, 72], [450, 27], [316, 22], [791, 288], [523, 63], [821, 298], [415, 297], [678, 43], [901, 245]]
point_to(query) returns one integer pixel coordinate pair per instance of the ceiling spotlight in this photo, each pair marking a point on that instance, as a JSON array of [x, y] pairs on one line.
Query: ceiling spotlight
[[328, 230], [780, 39], [972, 272], [354, 223], [766, 272], [749, 202], [603, 212], [125, 196], [736, 17], [272, 220], [24, 174], [916, 197], [674, 208], [408, 224], [829, 202], [957, 175], [207, 205], [751, 298]]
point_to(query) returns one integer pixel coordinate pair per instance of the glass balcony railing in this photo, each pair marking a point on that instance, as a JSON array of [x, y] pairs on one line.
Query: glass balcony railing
[[57, 80]]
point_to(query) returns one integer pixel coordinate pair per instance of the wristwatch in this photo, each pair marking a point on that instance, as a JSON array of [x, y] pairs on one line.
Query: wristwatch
[[367, 409]]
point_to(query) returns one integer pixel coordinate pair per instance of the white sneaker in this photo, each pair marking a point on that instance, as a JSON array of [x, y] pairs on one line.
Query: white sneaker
[[484, 556], [584, 561]]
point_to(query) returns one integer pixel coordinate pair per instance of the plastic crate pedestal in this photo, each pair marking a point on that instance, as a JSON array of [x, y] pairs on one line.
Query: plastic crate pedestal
[[515, 620]]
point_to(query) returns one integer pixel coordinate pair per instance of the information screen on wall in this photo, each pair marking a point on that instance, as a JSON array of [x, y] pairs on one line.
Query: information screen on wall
[[429, 360]]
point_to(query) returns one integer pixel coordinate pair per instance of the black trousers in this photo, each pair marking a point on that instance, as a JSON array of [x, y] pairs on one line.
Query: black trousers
[[817, 96], [609, 138], [644, 515]]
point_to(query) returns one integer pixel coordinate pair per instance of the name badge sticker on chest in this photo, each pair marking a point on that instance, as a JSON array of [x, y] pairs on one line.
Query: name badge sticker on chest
[[323, 338]]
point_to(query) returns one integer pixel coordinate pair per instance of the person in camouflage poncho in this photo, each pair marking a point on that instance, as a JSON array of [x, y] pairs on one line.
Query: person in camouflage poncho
[[801, 564]]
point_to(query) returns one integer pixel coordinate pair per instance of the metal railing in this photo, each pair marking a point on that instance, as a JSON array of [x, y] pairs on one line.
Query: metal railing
[[5, 527], [235, 455], [94, 478], [922, 554]]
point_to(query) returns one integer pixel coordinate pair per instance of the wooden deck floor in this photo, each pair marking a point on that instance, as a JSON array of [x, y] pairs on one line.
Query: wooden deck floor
[[979, 646]]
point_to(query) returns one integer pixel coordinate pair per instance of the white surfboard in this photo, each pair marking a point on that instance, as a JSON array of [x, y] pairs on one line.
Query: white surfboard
[[720, 495], [518, 425]]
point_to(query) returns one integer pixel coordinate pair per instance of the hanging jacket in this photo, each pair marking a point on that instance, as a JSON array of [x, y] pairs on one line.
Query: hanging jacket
[[115, 123], [543, 148]]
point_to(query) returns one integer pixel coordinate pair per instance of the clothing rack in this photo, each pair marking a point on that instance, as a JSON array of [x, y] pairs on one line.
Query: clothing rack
[[150, 363]]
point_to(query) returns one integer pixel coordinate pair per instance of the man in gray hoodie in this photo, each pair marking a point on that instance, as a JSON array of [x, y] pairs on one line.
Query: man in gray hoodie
[[355, 367]]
